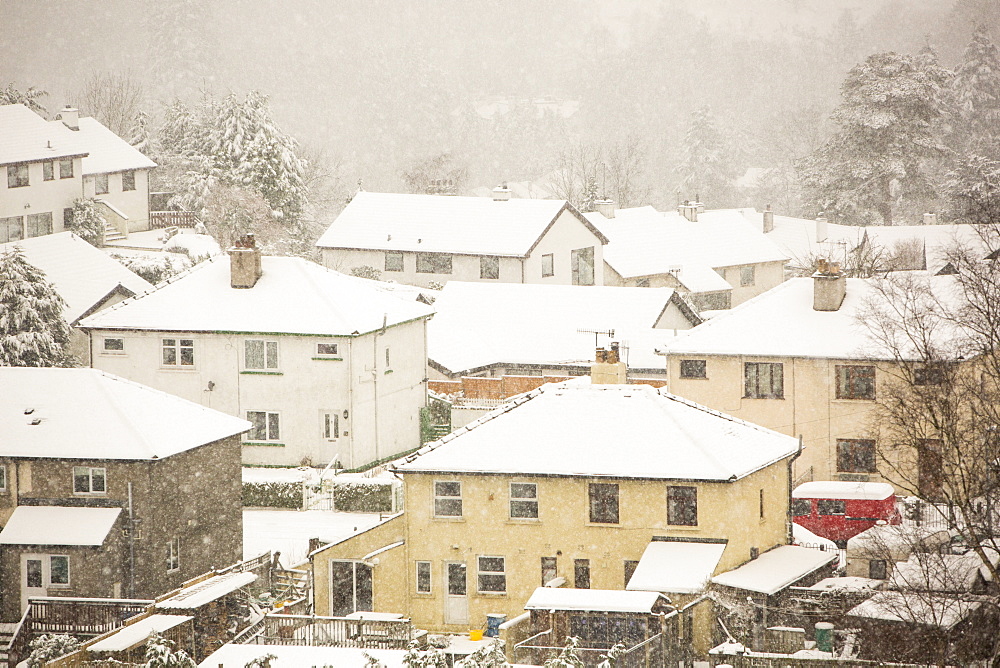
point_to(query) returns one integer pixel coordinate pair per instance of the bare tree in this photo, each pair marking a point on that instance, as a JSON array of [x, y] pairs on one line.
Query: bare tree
[[115, 99]]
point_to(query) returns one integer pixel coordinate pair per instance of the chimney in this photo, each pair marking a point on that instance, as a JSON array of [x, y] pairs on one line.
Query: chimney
[[605, 207], [829, 286], [689, 210], [608, 369], [501, 193], [821, 232], [768, 220], [930, 219], [70, 117], [244, 262]]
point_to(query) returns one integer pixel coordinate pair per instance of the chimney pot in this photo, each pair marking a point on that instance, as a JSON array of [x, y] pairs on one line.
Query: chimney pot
[[768, 220], [930, 219], [689, 210], [821, 232], [829, 286], [501, 193], [608, 369], [605, 207], [70, 117]]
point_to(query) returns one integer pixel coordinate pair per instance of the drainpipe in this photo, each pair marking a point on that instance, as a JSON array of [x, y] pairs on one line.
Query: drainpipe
[[788, 506], [131, 545]]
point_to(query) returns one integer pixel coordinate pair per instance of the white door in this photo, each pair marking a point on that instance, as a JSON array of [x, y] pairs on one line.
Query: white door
[[33, 577], [456, 599]]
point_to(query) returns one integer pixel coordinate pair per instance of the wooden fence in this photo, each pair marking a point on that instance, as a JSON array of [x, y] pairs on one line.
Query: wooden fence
[[160, 219], [314, 631]]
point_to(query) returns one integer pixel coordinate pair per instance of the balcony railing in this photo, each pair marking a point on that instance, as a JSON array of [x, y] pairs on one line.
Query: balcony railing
[[316, 631], [160, 219]]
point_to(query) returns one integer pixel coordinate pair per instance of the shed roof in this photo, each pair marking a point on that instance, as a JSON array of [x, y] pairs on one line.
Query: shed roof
[[136, 634], [88, 414], [592, 600], [676, 567], [206, 591], [776, 569], [440, 224], [614, 431], [832, 489], [296, 656], [27, 137], [293, 296], [937, 610], [106, 151], [68, 526]]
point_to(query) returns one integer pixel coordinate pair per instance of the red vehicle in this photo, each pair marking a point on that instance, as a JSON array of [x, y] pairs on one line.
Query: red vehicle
[[841, 510]]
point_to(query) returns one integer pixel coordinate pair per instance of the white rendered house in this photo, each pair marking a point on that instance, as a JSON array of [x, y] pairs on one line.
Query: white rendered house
[[325, 366]]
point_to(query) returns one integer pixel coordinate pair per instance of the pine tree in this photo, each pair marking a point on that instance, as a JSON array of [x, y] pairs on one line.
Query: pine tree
[[32, 329], [890, 120], [704, 170], [28, 98], [588, 201], [976, 91], [50, 646], [88, 224]]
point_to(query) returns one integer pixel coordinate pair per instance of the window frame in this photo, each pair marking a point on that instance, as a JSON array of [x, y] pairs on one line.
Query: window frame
[[578, 258], [174, 554], [686, 516], [327, 355], [90, 470], [3, 478], [851, 380], [31, 224], [266, 344], [418, 577], [522, 501], [7, 224], [594, 500], [581, 574], [549, 565], [101, 185], [395, 255], [52, 582], [548, 259], [489, 267], [440, 499], [128, 180], [112, 351], [702, 375], [66, 168], [876, 566], [177, 350], [499, 575], [753, 388], [18, 176], [271, 419], [831, 507], [851, 457], [798, 505], [325, 424], [748, 276], [430, 263], [49, 170]]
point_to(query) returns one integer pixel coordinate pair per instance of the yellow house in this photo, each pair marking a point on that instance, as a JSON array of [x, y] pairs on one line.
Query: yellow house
[[572, 484], [799, 360]]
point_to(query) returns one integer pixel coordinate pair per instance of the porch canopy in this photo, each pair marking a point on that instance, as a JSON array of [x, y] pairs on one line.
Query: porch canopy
[[594, 600], [136, 634], [59, 525], [676, 567], [776, 569]]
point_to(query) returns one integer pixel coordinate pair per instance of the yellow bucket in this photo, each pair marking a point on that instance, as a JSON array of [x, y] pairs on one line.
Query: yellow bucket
[[476, 634]]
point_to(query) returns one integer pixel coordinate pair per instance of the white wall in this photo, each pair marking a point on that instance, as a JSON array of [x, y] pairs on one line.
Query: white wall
[[566, 234], [300, 392], [133, 203], [41, 196], [766, 276], [464, 267]]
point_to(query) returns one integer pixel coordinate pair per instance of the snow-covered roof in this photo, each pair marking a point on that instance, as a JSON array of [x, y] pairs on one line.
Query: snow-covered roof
[[592, 600], [59, 525], [937, 610], [136, 634], [289, 532], [679, 567], [292, 296], [84, 276], [848, 583], [296, 656], [932, 571], [609, 431], [545, 324], [776, 569], [89, 414], [440, 224], [27, 137], [646, 242], [832, 489], [107, 152], [206, 591], [783, 323]]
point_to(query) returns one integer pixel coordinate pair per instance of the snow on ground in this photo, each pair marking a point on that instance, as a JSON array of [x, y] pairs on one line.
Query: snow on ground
[[289, 531]]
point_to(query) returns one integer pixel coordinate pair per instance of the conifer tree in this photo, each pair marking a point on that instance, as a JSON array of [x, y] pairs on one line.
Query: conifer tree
[[32, 329], [976, 92], [704, 170]]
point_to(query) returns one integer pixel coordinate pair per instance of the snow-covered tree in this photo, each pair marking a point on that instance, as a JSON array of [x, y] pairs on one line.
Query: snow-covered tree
[[568, 657], [973, 190], [160, 653], [32, 329], [28, 98], [430, 658], [588, 201], [487, 656], [890, 127], [87, 223], [705, 169], [155, 269], [976, 91], [50, 646], [261, 661]]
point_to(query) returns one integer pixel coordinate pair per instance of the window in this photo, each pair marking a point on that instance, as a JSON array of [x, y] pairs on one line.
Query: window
[[330, 425], [832, 507], [630, 567], [761, 504], [524, 500], [350, 587], [855, 455], [433, 263], [582, 263], [178, 352], [548, 268], [11, 229], [17, 176], [266, 426], [387, 365], [101, 184], [3, 477], [114, 345], [693, 369], [855, 382], [326, 349], [128, 181], [930, 469], [489, 267], [930, 375], [682, 506], [174, 554], [89, 480], [261, 355], [604, 503], [68, 218], [48, 170], [764, 380], [801, 507], [423, 577], [59, 570], [394, 261], [39, 224], [447, 498], [747, 275], [492, 577], [66, 168], [549, 570], [581, 573], [878, 569]]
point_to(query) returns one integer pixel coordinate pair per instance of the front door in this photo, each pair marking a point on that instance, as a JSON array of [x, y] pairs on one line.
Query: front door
[[33, 577], [456, 600]]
